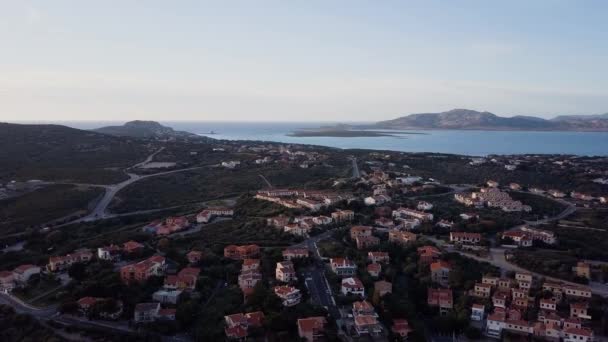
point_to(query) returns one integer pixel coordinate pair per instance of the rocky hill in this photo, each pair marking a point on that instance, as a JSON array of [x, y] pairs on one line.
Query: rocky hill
[[470, 119], [144, 129]]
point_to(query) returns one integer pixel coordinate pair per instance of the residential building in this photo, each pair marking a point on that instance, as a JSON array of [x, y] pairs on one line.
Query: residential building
[[400, 237], [352, 286], [289, 295], [477, 312], [23, 273], [401, 328], [146, 312], [60, 263], [440, 272], [360, 231], [440, 298], [383, 287], [342, 216], [141, 271], [343, 267], [285, 272], [405, 212], [583, 270], [167, 296], [311, 329], [242, 252], [482, 290], [378, 257], [365, 242], [374, 269], [295, 253], [194, 257], [238, 325], [465, 238]]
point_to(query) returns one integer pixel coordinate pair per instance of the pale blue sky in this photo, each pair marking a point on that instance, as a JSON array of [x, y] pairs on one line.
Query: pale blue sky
[[299, 60]]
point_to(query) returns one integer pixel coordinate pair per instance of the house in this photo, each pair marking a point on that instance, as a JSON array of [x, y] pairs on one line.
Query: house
[[578, 335], [60, 263], [141, 271], [468, 216], [353, 286], [482, 290], [360, 231], [184, 280], [168, 226], [146, 312], [401, 328], [521, 239], [132, 247], [440, 272], [400, 237], [545, 236], [493, 281], [492, 184], [383, 287], [242, 252], [583, 270], [374, 269], [278, 221], [343, 267], [167, 296], [579, 310], [342, 216], [249, 279], [231, 164], [465, 238], [515, 186], [499, 299], [238, 325], [86, 303], [367, 325], [295, 253], [440, 298], [194, 257], [167, 314], [577, 291], [311, 329], [495, 324], [549, 304], [405, 212], [7, 281], [445, 224], [23, 273], [285, 272], [522, 277], [422, 205], [428, 254], [289, 295], [377, 257], [477, 312], [208, 214], [111, 253], [365, 242], [250, 265]]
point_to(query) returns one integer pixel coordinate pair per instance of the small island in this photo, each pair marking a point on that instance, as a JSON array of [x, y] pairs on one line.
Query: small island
[[344, 131]]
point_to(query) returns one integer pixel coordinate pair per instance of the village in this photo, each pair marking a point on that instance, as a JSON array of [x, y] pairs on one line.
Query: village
[[365, 255]]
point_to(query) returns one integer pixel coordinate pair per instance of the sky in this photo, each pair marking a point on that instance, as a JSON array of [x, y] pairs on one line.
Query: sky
[[299, 60]]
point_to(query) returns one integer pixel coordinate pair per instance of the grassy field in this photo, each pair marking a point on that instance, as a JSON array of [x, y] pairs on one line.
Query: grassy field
[[44, 205], [211, 183]]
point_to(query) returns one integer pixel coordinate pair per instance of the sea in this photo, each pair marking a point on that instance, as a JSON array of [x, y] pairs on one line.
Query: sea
[[469, 142]]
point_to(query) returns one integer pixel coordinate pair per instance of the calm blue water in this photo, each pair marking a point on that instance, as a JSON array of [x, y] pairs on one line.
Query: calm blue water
[[476, 143]]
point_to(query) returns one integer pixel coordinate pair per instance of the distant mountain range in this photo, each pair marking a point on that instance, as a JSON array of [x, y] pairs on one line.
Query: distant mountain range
[[463, 119], [144, 129]]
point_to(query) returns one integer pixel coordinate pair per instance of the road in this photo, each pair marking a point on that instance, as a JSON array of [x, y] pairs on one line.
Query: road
[[356, 172], [315, 279]]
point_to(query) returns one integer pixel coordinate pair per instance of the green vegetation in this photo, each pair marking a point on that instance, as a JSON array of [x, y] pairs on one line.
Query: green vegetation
[[549, 262], [44, 205], [59, 153], [211, 183], [24, 328]]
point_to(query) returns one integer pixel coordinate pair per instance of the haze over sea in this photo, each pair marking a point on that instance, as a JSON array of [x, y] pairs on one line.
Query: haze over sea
[[475, 143]]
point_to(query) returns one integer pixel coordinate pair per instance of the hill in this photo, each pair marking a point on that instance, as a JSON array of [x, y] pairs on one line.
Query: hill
[[470, 119], [54, 152], [144, 129]]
